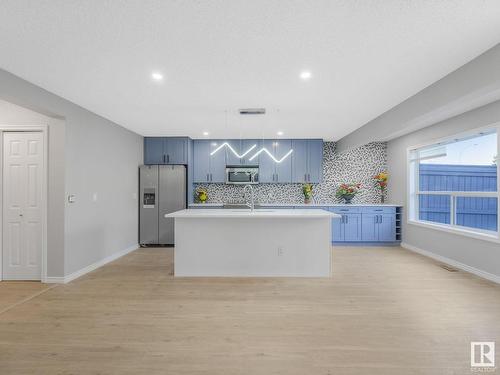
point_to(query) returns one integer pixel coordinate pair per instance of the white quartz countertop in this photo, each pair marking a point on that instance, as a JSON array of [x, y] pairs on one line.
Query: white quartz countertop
[[300, 205], [257, 213]]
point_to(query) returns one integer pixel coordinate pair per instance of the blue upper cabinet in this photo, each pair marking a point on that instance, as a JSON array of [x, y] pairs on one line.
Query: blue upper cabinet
[[299, 160], [243, 147], [253, 145], [307, 160], [315, 160], [153, 150], [217, 162], [267, 169], [206, 167], [270, 170], [231, 158], [284, 165], [201, 161], [176, 150], [166, 150]]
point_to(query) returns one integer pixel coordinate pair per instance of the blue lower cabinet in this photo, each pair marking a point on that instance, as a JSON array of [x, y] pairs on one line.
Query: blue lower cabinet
[[387, 228], [352, 227], [337, 230], [369, 228], [379, 227]]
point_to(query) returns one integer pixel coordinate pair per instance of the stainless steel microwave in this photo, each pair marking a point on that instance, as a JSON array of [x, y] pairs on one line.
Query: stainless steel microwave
[[242, 175]]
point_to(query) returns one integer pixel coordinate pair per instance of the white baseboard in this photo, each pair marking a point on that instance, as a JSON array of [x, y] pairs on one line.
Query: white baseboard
[[91, 267], [453, 263]]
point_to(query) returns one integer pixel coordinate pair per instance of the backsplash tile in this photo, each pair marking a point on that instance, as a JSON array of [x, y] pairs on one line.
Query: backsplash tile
[[354, 166]]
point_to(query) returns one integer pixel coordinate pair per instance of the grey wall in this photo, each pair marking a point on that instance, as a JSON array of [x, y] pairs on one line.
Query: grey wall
[[473, 85], [100, 157], [354, 166], [11, 114], [476, 253]]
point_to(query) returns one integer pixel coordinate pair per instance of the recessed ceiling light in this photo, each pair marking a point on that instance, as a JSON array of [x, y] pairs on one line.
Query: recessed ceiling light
[[157, 76], [305, 75], [280, 133], [205, 134]]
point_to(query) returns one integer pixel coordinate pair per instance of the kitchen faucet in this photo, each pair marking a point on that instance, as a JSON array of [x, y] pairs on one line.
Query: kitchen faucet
[[252, 204]]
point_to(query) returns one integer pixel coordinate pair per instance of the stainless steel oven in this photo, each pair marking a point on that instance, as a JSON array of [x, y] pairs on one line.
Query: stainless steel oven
[[242, 175]]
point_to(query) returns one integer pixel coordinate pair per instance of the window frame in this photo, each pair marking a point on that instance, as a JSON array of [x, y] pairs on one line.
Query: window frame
[[413, 191]]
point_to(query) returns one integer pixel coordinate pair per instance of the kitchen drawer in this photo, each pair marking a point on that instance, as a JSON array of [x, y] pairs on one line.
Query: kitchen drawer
[[379, 210], [345, 210]]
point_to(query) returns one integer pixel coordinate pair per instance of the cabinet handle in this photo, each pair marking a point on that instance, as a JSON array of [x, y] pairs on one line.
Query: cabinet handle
[[168, 159], [346, 219], [380, 218], [277, 177], [308, 177], [164, 158], [208, 177], [305, 177], [375, 219]]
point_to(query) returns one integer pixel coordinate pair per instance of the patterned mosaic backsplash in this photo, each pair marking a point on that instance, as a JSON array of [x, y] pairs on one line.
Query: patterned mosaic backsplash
[[353, 166]]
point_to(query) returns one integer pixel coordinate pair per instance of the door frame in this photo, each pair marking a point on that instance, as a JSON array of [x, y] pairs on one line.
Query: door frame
[[44, 129]]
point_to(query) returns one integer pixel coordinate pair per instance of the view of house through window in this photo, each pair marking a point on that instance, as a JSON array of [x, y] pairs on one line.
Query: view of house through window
[[455, 183]]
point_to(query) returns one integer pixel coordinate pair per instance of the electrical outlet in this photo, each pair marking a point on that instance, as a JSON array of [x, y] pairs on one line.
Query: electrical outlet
[[281, 251]]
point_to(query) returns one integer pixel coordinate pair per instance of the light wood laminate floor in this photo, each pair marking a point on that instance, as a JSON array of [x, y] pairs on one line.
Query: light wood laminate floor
[[385, 311]]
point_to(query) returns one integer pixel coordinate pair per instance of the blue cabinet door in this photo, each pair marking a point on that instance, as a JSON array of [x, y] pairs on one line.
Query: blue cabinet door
[[201, 161], [267, 166], [231, 158], [315, 160], [153, 150], [337, 229], [387, 227], [249, 147], [175, 149], [217, 162], [369, 227], [299, 160], [284, 166], [352, 227]]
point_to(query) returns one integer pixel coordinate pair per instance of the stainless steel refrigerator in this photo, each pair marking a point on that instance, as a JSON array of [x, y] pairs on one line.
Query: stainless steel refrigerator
[[162, 191]]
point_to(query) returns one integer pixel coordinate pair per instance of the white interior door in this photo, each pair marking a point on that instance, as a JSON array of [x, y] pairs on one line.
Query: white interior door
[[22, 205]]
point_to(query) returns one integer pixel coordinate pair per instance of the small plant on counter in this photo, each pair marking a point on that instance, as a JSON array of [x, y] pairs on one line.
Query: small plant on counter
[[347, 192], [307, 190], [201, 195], [381, 181]]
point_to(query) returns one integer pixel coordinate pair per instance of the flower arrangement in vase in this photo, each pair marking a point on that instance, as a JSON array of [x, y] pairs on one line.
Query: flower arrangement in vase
[[381, 181], [347, 192], [307, 190], [201, 195]]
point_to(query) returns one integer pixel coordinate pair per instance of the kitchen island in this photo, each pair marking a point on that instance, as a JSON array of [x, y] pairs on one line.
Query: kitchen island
[[260, 243]]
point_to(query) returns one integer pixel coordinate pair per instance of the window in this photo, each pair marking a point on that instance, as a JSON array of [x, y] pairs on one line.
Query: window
[[453, 184]]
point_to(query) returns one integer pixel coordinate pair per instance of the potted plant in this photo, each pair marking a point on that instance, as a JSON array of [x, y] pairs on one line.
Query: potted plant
[[307, 190], [347, 192], [381, 181], [201, 195]]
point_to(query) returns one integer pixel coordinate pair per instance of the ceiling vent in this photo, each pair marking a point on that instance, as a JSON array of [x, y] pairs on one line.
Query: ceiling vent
[[252, 111]]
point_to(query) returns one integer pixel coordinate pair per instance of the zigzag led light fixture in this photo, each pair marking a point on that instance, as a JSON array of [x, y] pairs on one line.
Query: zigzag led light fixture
[[263, 149], [232, 150]]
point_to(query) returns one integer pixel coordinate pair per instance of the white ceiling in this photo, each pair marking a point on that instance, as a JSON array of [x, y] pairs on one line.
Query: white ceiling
[[218, 56]]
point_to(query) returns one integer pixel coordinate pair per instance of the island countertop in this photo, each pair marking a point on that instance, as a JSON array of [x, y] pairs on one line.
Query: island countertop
[[246, 213]]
